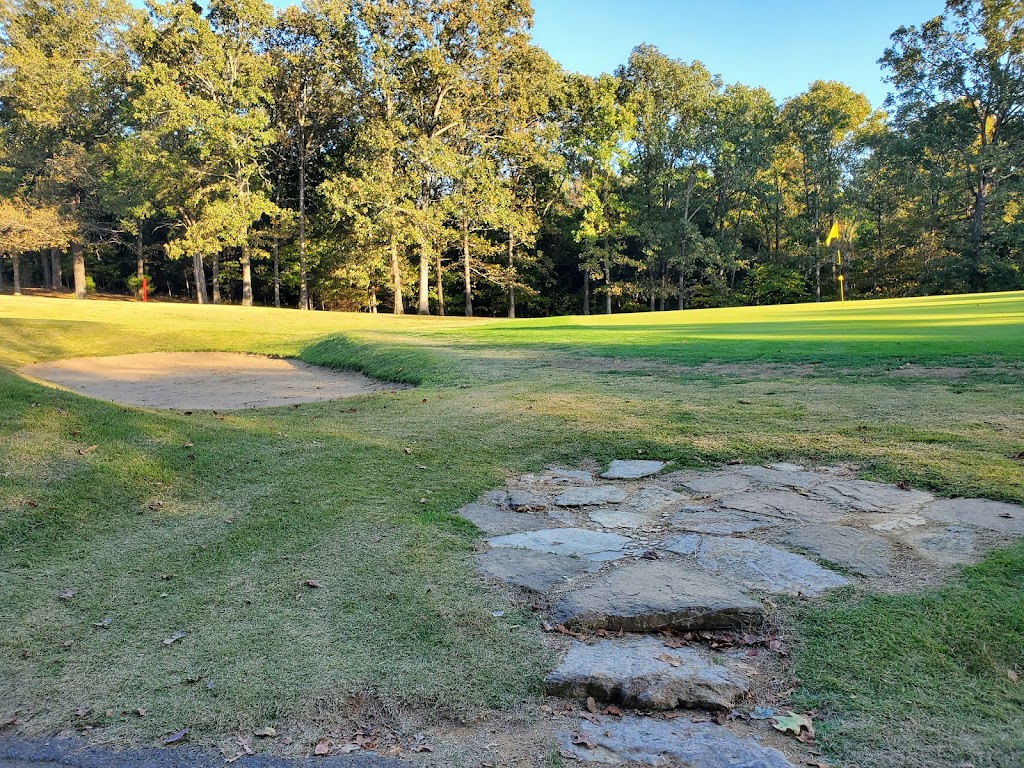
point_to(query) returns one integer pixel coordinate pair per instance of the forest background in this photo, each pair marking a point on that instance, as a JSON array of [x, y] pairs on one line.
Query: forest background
[[395, 155]]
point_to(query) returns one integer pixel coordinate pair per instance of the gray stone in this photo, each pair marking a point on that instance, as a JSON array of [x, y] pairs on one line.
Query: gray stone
[[785, 466], [954, 545], [497, 522], [562, 516], [786, 505], [868, 496], [650, 595], [980, 513], [642, 672], [593, 545], [616, 517], [721, 483], [654, 500], [856, 551], [595, 494], [574, 475], [888, 523], [701, 520], [663, 743], [520, 500], [537, 571], [632, 469], [757, 565], [776, 478]]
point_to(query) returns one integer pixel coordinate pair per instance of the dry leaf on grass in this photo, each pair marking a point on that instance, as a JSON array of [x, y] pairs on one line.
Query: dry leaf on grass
[[179, 635], [177, 737], [87, 451], [265, 733]]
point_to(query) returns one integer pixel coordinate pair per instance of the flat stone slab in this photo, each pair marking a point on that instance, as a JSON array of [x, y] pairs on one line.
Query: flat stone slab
[[703, 520], [650, 595], [520, 500], [592, 545], [593, 494], [782, 504], [868, 496], [980, 513], [642, 672], [632, 469], [573, 475], [712, 485], [953, 545], [536, 571], [653, 500], [856, 551], [779, 478], [888, 523], [756, 565], [618, 518], [644, 740], [498, 522]]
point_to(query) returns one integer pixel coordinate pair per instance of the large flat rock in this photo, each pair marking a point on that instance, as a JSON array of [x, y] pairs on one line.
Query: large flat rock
[[711, 485], [591, 494], [593, 545], [781, 478], [980, 513], [642, 672], [650, 595], [856, 551], [536, 571], [665, 743], [868, 496], [952, 545], [654, 500], [632, 469], [756, 565], [616, 517], [722, 522], [786, 505], [498, 522]]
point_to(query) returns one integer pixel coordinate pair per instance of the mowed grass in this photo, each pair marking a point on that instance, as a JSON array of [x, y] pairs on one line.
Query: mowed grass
[[209, 523]]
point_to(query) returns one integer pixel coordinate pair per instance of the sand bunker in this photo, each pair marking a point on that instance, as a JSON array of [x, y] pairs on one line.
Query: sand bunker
[[203, 381]]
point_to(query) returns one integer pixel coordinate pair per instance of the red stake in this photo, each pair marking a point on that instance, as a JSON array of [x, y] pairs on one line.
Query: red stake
[[145, 289]]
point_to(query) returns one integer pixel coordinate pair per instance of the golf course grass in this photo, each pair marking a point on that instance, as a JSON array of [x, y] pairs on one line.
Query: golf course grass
[[209, 524]]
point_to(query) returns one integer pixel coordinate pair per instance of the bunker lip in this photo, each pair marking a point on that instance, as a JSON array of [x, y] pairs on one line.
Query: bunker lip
[[203, 381]]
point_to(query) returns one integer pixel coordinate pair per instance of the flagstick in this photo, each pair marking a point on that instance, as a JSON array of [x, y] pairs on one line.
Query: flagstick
[[839, 259]]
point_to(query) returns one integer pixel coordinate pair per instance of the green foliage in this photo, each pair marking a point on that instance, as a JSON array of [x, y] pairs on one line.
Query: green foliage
[[772, 284]]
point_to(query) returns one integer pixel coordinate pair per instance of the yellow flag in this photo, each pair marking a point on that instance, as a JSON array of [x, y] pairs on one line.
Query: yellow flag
[[833, 234]]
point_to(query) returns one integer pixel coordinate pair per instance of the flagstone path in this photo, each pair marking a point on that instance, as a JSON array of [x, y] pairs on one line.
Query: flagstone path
[[639, 550]]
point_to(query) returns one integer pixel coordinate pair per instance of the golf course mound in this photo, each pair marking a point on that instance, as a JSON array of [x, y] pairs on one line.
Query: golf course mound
[[203, 381]]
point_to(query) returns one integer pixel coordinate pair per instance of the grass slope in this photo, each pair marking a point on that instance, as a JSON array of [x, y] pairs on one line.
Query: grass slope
[[238, 509]]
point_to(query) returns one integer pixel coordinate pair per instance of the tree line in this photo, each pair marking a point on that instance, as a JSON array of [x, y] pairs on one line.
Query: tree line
[[425, 155]]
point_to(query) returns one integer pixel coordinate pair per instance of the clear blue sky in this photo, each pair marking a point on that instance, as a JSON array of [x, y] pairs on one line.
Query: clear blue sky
[[782, 45]]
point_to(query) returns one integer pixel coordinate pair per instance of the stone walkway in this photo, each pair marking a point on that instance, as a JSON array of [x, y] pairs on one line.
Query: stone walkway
[[638, 550]]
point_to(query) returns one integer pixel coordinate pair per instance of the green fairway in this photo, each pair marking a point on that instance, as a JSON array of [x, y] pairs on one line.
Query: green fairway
[[210, 523]]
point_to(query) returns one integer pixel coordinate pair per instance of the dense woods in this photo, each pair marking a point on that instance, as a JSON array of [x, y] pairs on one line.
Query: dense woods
[[425, 156]]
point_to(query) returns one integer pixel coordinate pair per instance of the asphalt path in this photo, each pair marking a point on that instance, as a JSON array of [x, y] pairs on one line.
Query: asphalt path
[[61, 753]]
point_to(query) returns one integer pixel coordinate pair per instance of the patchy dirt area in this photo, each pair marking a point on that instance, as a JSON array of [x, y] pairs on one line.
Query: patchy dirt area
[[203, 381]]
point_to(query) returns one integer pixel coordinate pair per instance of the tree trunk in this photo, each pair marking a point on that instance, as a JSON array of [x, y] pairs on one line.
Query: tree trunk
[[586, 291], [607, 279], [682, 276], [466, 277], [424, 305], [200, 276], [246, 277], [277, 274], [373, 300], [817, 281], [16, 262], [47, 279], [55, 270], [78, 263], [215, 278], [303, 280], [140, 261], [977, 232], [396, 280], [511, 276], [440, 283]]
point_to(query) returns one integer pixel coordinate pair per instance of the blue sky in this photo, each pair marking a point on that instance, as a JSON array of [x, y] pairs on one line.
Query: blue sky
[[782, 45]]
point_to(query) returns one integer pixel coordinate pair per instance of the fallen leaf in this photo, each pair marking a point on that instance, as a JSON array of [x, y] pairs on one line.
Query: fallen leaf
[[187, 445], [9, 722], [323, 747], [177, 737], [1014, 677], [179, 635], [104, 624], [408, 451], [591, 705], [347, 749], [613, 711], [794, 723], [312, 584], [650, 554], [903, 485], [86, 451], [265, 733], [672, 661], [139, 711], [580, 740]]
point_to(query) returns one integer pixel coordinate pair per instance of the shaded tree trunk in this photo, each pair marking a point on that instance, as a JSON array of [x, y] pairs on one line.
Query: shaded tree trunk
[[424, 305], [466, 276], [215, 278], [396, 280], [78, 263], [303, 279], [55, 269], [16, 262], [140, 260], [440, 283], [586, 291], [277, 274], [200, 277], [246, 277], [511, 276], [47, 279]]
